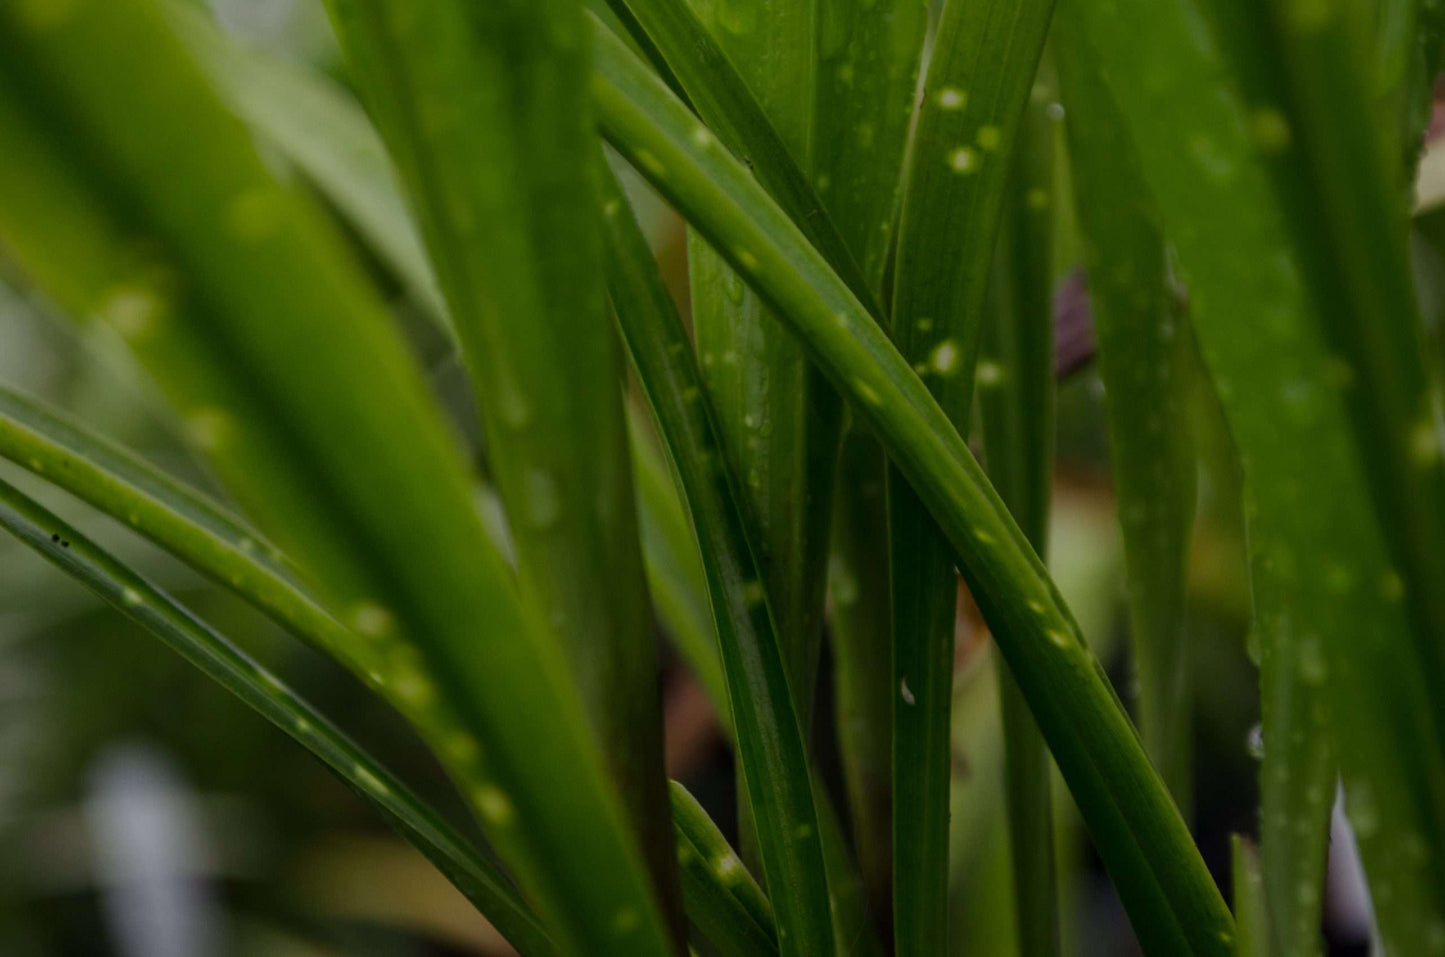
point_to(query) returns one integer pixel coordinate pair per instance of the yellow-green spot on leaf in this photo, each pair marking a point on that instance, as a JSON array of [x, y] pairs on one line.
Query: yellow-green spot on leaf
[[1270, 129], [650, 163], [209, 428], [369, 781], [1059, 639], [989, 374], [371, 620], [131, 310], [494, 806], [625, 921], [988, 137]]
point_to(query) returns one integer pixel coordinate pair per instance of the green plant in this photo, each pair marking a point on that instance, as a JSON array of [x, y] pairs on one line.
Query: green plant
[[878, 210]]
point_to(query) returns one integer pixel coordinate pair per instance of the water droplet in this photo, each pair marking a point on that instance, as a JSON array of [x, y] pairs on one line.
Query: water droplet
[[952, 98], [493, 804], [866, 393], [369, 781], [728, 867], [1270, 129], [130, 598], [1254, 742], [989, 373], [1055, 111], [702, 137], [209, 428], [132, 311], [944, 358], [1060, 639], [371, 620], [906, 692], [962, 159]]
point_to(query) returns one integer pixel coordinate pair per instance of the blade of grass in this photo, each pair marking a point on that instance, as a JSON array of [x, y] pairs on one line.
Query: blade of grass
[[772, 751], [674, 569], [1143, 353], [482, 884], [1135, 826], [778, 419], [1220, 168], [724, 902], [1250, 912], [484, 110], [867, 79], [982, 67], [1016, 409], [228, 288]]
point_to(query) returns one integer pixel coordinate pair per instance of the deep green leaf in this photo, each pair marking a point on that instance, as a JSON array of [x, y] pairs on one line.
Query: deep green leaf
[[1250, 913], [724, 903], [1143, 349], [484, 110], [867, 79]]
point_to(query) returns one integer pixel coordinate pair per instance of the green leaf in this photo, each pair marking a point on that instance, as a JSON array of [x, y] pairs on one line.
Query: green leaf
[[983, 65], [322, 129], [772, 751], [1137, 829], [674, 569], [867, 78], [1231, 178], [1016, 410], [484, 110], [779, 420], [479, 880], [1250, 912], [290, 377], [724, 903], [1144, 351]]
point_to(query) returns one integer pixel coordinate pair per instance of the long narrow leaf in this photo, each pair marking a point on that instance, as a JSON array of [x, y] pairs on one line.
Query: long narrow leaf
[[771, 749], [1319, 560], [484, 110], [983, 65], [867, 80], [724, 902], [1143, 350], [243, 304], [1137, 829], [65, 547], [1016, 409]]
